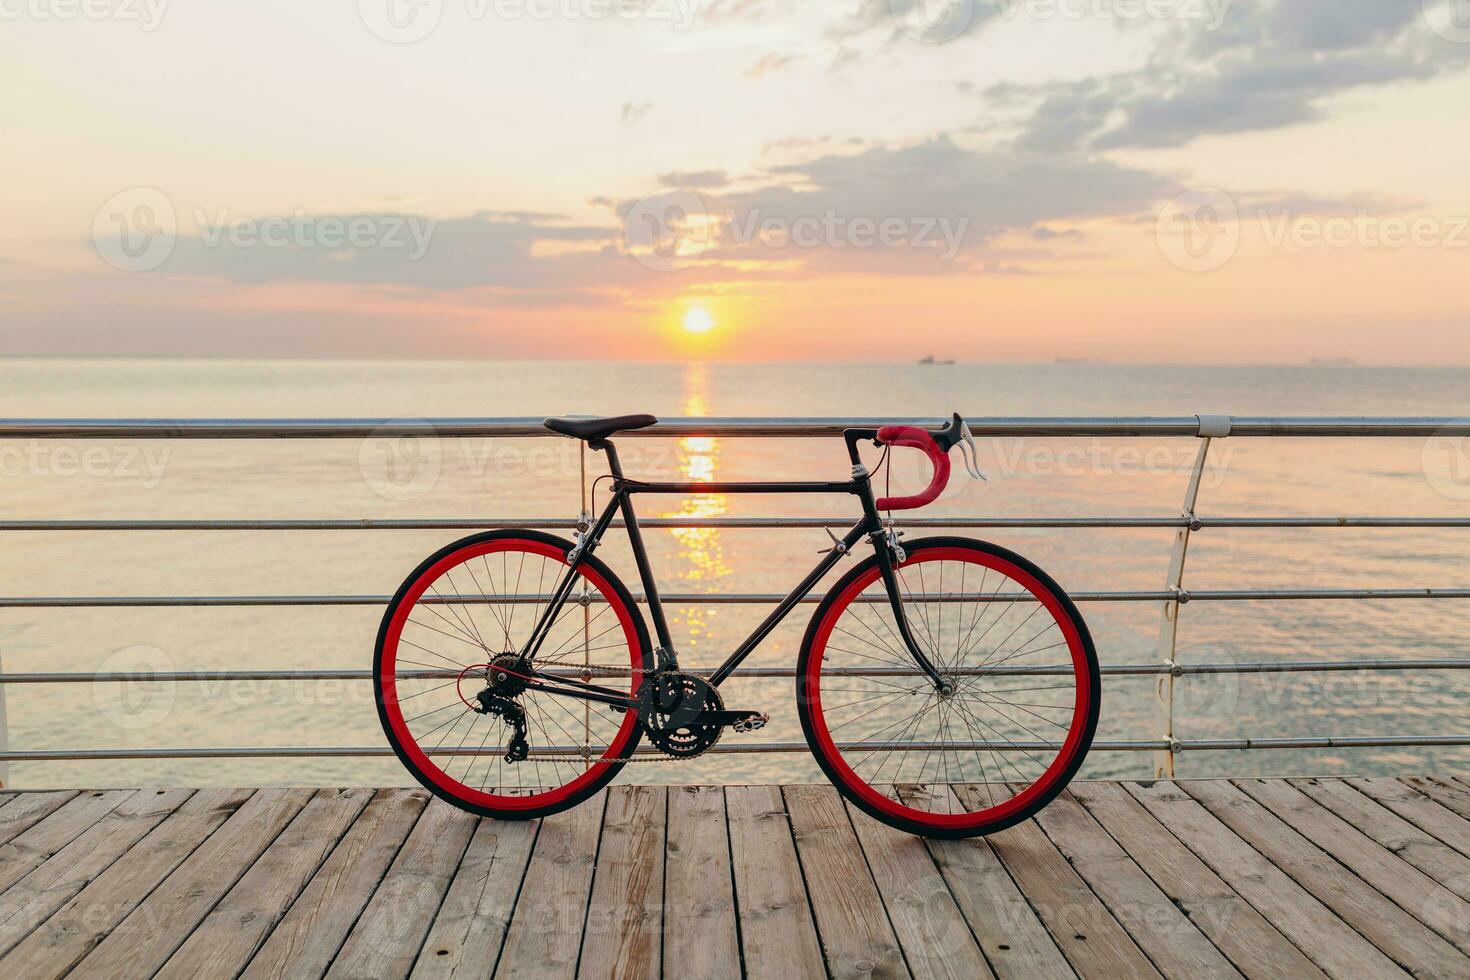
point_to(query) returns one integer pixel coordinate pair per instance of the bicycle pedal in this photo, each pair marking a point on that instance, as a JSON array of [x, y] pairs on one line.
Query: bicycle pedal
[[751, 723]]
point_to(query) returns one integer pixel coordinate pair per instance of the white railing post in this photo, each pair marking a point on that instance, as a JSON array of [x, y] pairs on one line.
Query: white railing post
[[1210, 427], [4, 731], [585, 514]]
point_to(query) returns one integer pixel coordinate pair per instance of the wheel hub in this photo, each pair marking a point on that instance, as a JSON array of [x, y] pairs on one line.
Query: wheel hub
[[507, 675]]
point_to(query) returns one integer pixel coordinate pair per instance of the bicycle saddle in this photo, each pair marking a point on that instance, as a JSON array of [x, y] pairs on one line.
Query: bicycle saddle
[[594, 429]]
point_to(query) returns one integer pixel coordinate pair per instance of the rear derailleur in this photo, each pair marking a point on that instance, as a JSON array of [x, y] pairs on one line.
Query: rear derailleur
[[505, 676], [683, 716]]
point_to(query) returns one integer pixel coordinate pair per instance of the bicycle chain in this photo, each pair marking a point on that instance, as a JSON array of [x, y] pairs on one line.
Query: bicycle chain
[[586, 754]]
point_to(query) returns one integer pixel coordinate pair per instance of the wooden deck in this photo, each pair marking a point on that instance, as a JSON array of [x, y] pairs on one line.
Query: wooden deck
[[1346, 878]]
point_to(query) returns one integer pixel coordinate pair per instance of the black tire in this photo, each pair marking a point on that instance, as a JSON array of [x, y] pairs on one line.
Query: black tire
[[1081, 722], [608, 768]]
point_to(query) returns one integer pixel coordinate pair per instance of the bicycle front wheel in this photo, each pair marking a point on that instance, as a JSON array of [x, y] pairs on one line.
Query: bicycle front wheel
[[473, 604], [1018, 721]]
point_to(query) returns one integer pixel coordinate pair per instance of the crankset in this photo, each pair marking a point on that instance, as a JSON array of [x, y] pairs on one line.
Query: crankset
[[683, 716]]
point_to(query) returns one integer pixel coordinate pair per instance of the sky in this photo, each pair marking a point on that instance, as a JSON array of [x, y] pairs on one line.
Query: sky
[[1202, 181]]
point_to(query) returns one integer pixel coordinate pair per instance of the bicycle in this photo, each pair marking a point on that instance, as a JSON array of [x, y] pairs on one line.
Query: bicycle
[[942, 713]]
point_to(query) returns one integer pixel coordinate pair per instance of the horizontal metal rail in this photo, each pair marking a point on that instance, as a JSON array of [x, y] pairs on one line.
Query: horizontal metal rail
[[1151, 427], [1049, 670], [719, 598], [1157, 426], [568, 523], [741, 748]]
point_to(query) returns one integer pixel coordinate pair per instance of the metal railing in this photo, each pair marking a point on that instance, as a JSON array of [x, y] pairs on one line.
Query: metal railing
[[1167, 669]]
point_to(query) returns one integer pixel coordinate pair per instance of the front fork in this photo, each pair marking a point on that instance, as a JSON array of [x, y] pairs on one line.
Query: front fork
[[895, 602]]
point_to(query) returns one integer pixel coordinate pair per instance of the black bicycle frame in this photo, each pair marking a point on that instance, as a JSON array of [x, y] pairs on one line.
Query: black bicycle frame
[[623, 490]]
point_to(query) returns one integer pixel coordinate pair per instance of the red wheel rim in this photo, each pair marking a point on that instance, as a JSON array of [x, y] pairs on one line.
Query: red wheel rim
[[389, 665], [1060, 767]]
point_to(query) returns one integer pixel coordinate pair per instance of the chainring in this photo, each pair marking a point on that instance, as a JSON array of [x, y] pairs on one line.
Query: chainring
[[668, 704]]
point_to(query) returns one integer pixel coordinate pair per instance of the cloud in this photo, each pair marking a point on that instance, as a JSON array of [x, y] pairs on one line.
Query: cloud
[[633, 112], [943, 200], [694, 179], [524, 254], [1272, 63], [769, 64]]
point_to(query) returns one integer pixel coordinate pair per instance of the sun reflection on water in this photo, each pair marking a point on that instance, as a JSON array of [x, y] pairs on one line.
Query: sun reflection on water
[[700, 559]]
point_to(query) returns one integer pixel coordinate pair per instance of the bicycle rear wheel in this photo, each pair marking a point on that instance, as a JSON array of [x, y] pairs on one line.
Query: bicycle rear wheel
[[1020, 718], [467, 606]]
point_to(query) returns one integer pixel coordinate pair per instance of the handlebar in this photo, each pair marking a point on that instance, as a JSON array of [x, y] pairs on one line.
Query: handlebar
[[936, 444], [912, 435]]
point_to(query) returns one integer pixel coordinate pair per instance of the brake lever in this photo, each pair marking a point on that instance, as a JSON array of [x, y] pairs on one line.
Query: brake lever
[[968, 451]]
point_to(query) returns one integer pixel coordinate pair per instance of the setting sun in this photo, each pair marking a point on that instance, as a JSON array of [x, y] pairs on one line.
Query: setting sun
[[698, 320]]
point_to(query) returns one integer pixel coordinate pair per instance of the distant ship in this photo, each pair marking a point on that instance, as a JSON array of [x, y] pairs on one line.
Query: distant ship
[[929, 359]]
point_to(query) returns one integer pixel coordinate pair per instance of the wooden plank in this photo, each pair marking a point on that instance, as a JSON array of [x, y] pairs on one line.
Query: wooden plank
[[1394, 931], [851, 921], [934, 936], [1083, 928], [224, 942], [625, 914], [1421, 897], [1446, 792], [1331, 943], [1161, 930], [26, 809], [29, 849], [79, 925], [1236, 928], [546, 927], [1407, 841], [150, 934], [1427, 853], [703, 943], [1013, 938], [31, 900], [308, 937], [469, 931], [386, 940], [1418, 809], [777, 933]]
